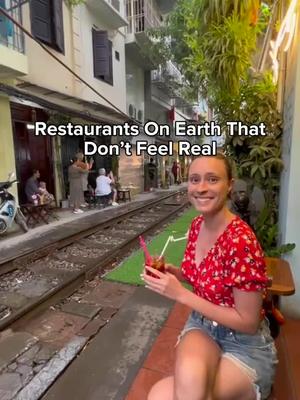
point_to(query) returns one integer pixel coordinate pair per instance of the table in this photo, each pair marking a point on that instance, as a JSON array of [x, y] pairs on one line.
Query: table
[[282, 282], [35, 214]]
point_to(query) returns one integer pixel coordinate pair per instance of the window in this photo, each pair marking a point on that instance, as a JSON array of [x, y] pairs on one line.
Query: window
[[47, 22], [102, 52], [117, 55]]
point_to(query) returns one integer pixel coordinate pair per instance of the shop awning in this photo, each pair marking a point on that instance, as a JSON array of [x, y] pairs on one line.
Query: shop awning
[[64, 103]]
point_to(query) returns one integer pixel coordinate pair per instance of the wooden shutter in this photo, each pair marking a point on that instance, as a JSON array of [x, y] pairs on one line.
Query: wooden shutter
[[101, 54], [58, 34], [110, 74], [40, 11]]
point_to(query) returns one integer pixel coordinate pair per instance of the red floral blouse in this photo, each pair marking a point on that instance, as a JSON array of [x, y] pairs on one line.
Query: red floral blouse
[[235, 260]]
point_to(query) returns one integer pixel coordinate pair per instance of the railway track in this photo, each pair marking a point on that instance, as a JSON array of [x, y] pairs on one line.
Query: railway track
[[45, 276]]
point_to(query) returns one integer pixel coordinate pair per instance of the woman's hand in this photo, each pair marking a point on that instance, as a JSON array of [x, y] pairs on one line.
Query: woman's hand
[[174, 271], [164, 283]]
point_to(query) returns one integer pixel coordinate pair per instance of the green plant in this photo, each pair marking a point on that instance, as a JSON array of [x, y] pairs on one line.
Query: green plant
[[227, 49], [211, 12], [168, 43], [156, 48], [74, 3], [222, 49], [266, 229]]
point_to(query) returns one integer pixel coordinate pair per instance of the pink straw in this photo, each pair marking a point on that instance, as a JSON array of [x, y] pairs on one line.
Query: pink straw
[[148, 258]]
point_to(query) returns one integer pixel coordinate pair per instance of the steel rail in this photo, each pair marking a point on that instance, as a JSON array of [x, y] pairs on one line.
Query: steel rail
[[17, 261], [67, 287]]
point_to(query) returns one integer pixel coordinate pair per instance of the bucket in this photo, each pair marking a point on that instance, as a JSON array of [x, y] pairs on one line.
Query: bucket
[[64, 203]]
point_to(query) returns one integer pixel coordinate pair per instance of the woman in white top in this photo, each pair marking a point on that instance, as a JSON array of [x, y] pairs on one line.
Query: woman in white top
[[104, 188]]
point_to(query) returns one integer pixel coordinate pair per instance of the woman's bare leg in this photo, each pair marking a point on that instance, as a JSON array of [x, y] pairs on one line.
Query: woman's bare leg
[[115, 193], [197, 359], [200, 374], [232, 382]]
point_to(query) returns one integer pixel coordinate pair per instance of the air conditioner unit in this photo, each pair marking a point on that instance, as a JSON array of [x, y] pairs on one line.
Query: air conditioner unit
[[132, 111]]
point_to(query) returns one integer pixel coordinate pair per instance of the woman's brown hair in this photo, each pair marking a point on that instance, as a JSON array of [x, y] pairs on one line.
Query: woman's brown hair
[[227, 163]]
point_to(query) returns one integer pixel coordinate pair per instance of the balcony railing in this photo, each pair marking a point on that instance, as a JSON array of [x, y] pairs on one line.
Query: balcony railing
[[164, 74], [141, 15], [10, 35]]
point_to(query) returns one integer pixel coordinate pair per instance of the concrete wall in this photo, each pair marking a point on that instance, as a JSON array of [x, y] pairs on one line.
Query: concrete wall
[[83, 21], [131, 169], [45, 71], [7, 154], [131, 172], [12, 63], [290, 181], [135, 86]]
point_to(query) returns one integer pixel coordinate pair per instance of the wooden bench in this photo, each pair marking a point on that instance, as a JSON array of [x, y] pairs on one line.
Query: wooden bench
[[36, 214]]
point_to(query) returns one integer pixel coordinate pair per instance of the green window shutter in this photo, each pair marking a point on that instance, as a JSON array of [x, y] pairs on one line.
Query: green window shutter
[[101, 54], [58, 31], [40, 11]]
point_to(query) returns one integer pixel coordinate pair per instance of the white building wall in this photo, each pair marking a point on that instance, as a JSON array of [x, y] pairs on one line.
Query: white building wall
[[135, 86], [84, 21], [45, 71], [290, 182]]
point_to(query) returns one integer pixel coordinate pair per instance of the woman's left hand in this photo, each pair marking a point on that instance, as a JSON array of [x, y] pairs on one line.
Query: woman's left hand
[[165, 284]]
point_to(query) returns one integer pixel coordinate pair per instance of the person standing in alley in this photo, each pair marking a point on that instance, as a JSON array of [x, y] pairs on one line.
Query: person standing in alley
[[152, 173], [86, 166], [175, 171], [75, 173]]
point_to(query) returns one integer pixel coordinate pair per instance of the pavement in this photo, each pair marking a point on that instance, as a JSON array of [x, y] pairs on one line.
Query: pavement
[[15, 243], [91, 347], [107, 366]]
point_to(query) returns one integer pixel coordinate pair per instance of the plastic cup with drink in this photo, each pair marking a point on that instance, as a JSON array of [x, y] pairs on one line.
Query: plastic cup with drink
[[156, 262]]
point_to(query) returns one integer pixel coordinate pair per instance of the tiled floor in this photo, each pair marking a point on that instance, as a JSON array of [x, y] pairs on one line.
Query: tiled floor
[[160, 360]]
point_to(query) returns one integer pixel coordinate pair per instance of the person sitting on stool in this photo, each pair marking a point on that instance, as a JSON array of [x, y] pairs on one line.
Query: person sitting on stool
[[103, 187]]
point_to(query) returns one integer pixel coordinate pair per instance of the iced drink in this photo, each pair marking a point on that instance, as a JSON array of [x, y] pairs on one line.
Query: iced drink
[[156, 262]]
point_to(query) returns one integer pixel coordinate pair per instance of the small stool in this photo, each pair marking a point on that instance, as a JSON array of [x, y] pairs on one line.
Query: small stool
[[124, 195]]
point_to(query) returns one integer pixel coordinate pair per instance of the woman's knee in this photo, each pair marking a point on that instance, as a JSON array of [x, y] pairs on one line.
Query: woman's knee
[[163, 389], [192, 380]]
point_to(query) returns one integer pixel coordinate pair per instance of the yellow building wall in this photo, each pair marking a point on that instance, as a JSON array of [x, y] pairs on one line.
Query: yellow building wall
[[7, 155]]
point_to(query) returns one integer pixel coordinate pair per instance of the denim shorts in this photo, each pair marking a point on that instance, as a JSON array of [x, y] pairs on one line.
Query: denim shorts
[[255, 354]]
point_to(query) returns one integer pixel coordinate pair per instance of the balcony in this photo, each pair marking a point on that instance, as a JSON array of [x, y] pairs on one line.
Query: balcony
[[168, 79], [141, 15], [111, 11], [13, 61], [167, 74]]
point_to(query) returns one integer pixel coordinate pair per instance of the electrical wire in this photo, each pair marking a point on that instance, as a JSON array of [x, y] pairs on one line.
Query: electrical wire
[[129, 119], [64, 65]]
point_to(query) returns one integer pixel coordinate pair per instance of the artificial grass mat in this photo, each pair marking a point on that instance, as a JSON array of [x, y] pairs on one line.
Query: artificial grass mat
[[129, 271]]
